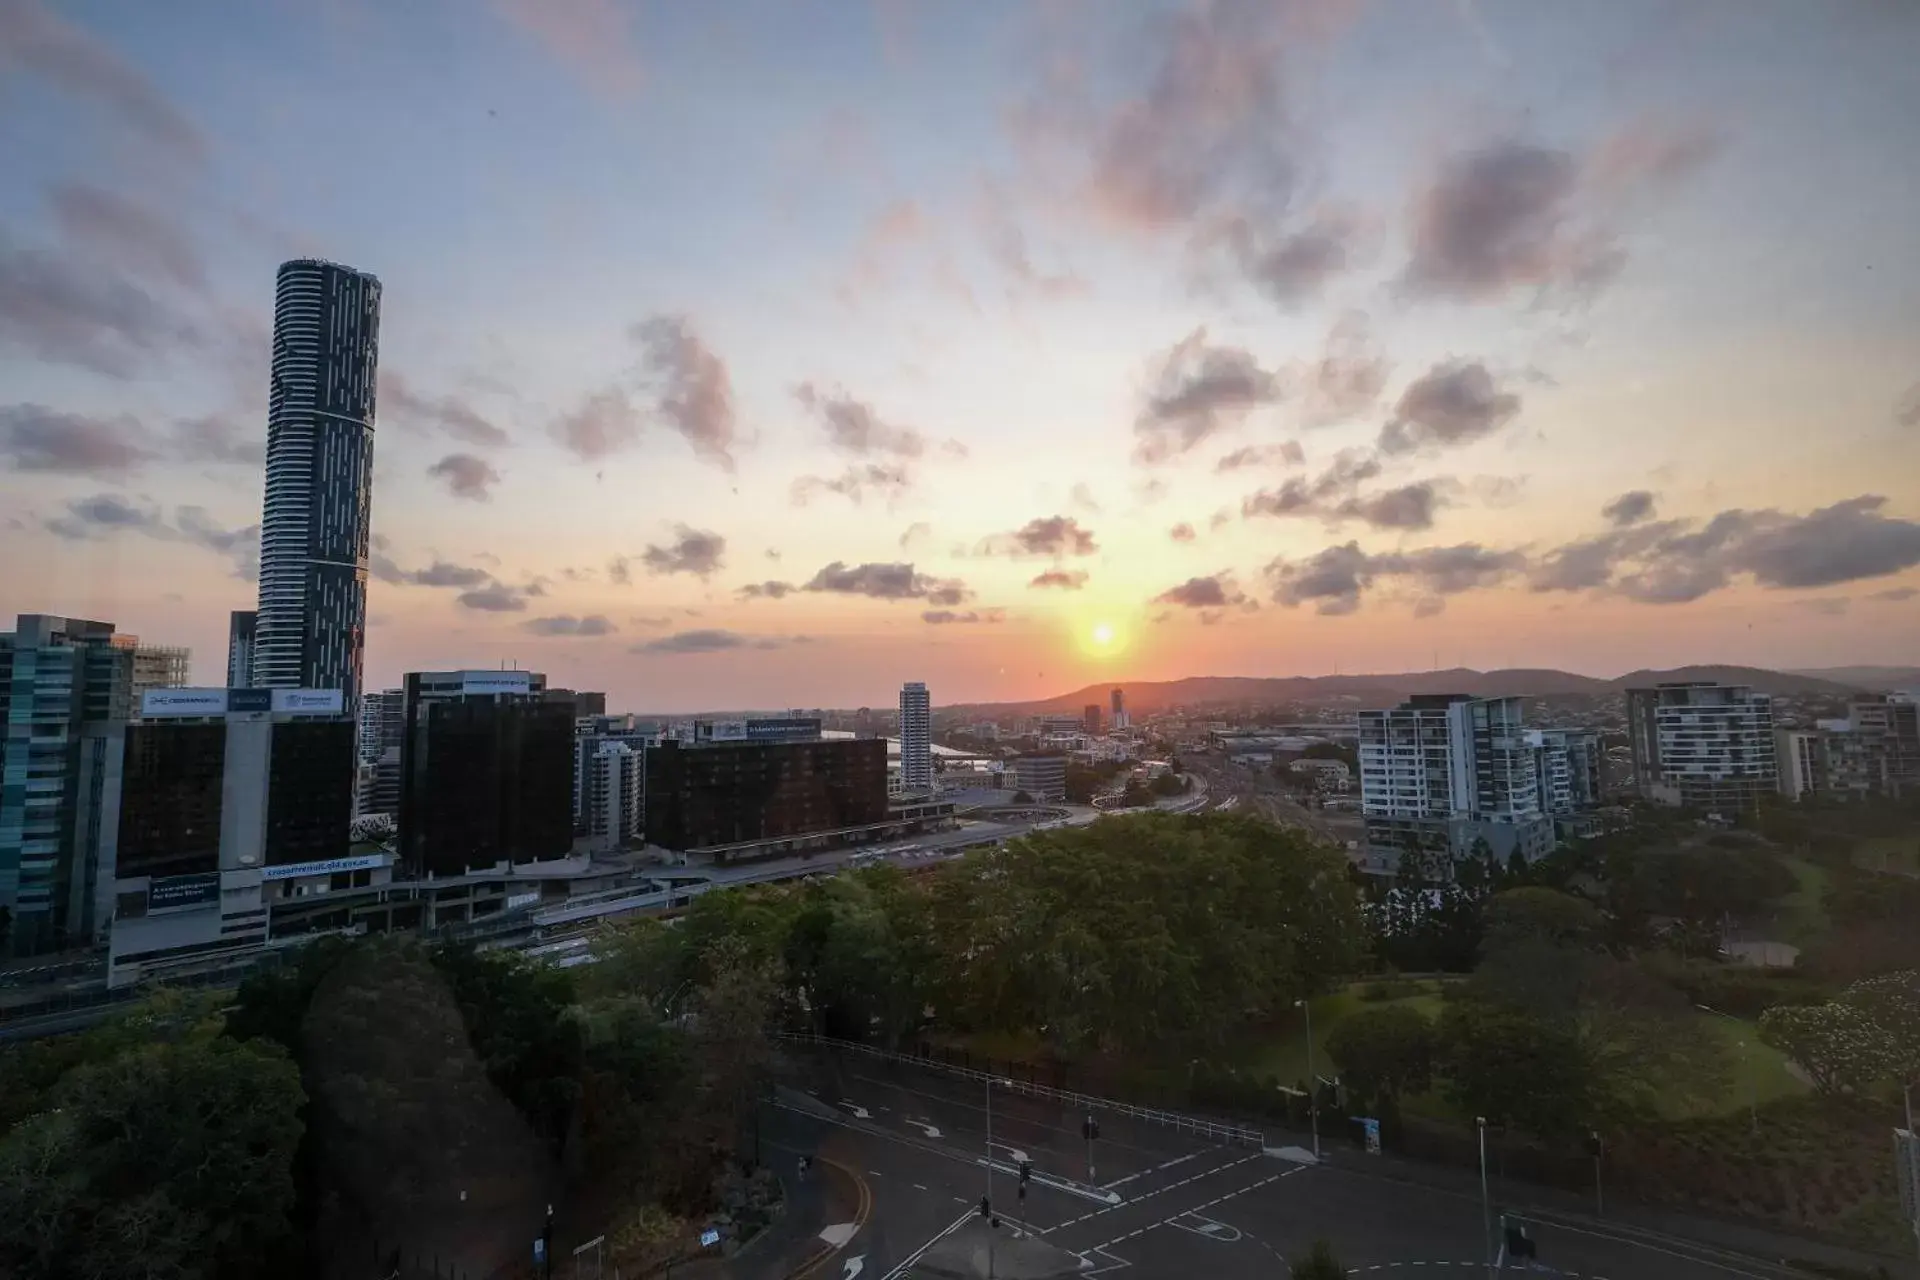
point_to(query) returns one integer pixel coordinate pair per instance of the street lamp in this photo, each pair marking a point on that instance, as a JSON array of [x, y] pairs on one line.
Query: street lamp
[[987, 1201], [1486, 1201], [1313, 1081], [1753, 1089]]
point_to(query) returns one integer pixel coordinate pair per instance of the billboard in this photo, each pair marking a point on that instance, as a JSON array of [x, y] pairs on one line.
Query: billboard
[[171, 892], [727, 731], [313, 701], [496, 682], [250, 699], [324, 867], [183, 702], [784, 729]]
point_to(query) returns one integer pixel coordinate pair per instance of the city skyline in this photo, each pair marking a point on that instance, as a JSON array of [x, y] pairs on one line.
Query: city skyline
[[1204, 338]]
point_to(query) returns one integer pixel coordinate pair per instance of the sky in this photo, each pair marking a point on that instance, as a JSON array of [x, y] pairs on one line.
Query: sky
[[769, 353]]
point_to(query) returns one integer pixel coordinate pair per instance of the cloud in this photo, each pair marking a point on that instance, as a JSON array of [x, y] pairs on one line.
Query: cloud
[[1065, 579], [694, 551], [1335, 579], [565, 624], [71, 310], [442, 574], [1907, 411], [1629, 508], [1081, 496], [497, 597], [104, 515], [1347, 378], [1823, 606], [1198, 389], [711, 640], [1182, 532], [1844, 542], [853, 427], [450, 414], [855, 483], [1006, 245], [1515, 214], [1055, 536], [1215, 591], [678, 381], [1429, 606], [765, 590], [1454, 403], [1287, 454], [942, 617], [887, 582], [213, 438], [466, 476], [36, 438], [916, 533], [593, 37], [132, 236], [1896, 595], [620, 571], [1334, 496], [1290, 268], [37, 41]]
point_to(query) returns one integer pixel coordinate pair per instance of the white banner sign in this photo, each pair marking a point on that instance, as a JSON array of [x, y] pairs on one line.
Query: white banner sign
[[324, 867], [183, 702], [326, 701], [496, 682]]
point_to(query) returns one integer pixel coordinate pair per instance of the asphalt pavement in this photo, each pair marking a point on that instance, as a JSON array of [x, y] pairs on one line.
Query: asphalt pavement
[[1161, 1201]]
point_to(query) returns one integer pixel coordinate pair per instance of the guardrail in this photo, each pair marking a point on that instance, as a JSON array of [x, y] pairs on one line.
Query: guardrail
[[1233, 1134]]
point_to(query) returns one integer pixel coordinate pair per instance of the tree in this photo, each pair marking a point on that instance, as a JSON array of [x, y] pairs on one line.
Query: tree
[[1513, 1068], [1533, 914], [1318, 1263], [1385, 1052], [1837, 1045], [1892, 1003], [518, 1017]]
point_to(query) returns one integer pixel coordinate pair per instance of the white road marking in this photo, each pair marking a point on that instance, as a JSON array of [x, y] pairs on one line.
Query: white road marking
[[1119, 1182], [932, 1131], [859, 1112], [855, 1266], [839, 1233], [906, 1264]]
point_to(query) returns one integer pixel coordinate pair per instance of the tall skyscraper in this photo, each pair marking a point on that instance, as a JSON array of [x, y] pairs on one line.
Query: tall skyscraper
[[1120, 720], [240, 628], [1090, 720], [64, 697], [916, 737], [311, 628]]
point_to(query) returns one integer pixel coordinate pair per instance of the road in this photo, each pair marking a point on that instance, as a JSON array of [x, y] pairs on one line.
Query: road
[[1163, 1202]]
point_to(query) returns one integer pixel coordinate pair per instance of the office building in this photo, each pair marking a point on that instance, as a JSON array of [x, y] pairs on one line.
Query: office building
[[227, 800], [720, 795], [158, 667], [615, 785], [1120, 721], [916, 738], [65, 685], [1041, 775], [486, 772], [1090, 720], [1450, 774], [240, 629], [1702, 745], [310, 630], [1570, 765], [592, 734], [382, 728], [584, 702]]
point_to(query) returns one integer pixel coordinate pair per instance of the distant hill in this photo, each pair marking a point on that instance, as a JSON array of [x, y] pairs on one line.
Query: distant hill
[[1877, 678], [1149, 697]]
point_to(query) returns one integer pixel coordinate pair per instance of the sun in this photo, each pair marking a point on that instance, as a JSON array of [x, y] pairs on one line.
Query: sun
[[1101, 635]]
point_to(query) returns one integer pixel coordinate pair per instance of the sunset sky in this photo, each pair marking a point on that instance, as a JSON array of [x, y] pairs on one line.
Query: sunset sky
[[762, 353]]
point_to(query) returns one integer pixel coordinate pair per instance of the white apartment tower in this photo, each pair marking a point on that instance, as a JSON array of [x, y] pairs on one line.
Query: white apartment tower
[[1703, 745], [916, 738]]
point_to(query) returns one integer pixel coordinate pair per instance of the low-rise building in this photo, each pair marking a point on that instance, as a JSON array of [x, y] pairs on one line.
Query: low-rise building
[[1042, 776]]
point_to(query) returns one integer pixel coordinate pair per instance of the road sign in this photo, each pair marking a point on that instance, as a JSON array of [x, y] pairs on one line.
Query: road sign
[[1906, 1165], [709, 1238], [539, 1251], [1372, 1129]]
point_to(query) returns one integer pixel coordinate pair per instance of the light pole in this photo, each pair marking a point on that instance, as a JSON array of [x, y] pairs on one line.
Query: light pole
[[1753, 1089], [1486, 1201], [1313, 1081]]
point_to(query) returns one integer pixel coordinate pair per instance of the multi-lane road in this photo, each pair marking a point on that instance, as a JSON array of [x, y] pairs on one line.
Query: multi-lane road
[[1149, 1199]]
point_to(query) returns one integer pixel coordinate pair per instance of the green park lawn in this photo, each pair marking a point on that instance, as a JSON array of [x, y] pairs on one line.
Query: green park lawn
[[1759, 1071], [1899, 854], [1803, 913]]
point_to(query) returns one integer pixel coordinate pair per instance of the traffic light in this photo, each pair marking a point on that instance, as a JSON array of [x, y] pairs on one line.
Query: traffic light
[[986, 1209], [1026, 1176], [1089, 1128], [1594, 1145]]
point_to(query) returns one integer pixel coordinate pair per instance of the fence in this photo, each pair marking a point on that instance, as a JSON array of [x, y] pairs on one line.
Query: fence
[[1020, 1077]]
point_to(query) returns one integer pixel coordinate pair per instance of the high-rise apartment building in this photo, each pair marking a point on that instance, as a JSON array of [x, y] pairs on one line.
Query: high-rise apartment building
[[916, 738], [65, 686], [1447, 773], [1119, 699], [1874, 751], [1090, 720], [1703, 745], [159, 667], [1571, 768], [615, 785], [486, 772], [311, 626], [592, 734], [381, 729], [240, 631]]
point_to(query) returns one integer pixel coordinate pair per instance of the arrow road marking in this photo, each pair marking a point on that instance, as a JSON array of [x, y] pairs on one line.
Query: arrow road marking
[[839, 1233], [1019, 1156], [859, 1112], [855, 1266], [931, 1131]]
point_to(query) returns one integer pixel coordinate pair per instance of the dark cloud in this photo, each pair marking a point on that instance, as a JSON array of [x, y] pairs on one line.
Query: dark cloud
[[1347, 378], [1198, 389], [1896, 595], [712, 640], [690, 388], [466, 476], [887, 582], [1334, 496], [1335, 579], [942, 617], [450, 414], [694, 551], [68, 310], [1182, 532], [1291, 267], [1410, 506], [620, 571], [442, 574], [565, 624], [497, 597], [38, 42], [1629, 508], [36, 438], [766, 590], [1907, 411], [1844, 542], [1213, 592], [1055, 536], [132, 236], [1065, 579], [1454, 403], [1286, 454], [889, 478], [104, 515], [853, 427]]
